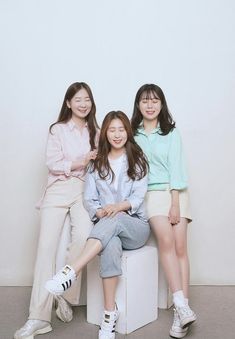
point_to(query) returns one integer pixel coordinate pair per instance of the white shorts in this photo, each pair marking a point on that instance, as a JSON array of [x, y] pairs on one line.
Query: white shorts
[[159, 202]]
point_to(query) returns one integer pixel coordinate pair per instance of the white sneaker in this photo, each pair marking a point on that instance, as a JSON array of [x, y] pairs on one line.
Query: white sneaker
[[186, 316], [32, 328], [61, 281], [176, 330], [107, 327], [63, 311]]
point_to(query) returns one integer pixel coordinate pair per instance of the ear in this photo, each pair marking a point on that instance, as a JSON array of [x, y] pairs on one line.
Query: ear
[[68, 104]]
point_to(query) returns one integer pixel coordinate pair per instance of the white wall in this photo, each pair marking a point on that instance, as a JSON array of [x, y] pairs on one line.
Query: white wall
[[187, 47]]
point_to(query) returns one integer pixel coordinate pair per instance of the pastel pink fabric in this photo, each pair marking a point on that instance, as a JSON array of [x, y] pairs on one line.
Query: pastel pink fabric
[[65, 144]]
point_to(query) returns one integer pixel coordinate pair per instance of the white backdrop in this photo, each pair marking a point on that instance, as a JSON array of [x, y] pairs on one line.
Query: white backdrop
[[186, 47]]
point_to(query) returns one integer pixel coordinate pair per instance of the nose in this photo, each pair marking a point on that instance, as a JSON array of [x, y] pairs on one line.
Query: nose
[[83, 104], [117, 134], [149, 103]]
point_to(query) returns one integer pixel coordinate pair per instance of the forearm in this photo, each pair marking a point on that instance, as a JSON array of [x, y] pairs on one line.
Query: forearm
[[79, 164], [124, 205], [174, 198]]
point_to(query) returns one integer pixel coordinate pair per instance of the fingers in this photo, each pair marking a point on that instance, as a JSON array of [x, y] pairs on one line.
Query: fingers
[[110, 210]]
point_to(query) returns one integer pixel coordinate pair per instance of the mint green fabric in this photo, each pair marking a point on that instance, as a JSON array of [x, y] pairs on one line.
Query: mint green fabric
[[166, 159]]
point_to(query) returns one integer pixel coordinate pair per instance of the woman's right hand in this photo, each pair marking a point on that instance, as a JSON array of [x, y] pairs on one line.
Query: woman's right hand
[[90, 156], [100, 213]]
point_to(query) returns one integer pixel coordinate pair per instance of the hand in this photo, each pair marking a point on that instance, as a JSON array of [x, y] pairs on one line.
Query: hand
[[112, 209], [174, 214], [90, 156], [100, 213]]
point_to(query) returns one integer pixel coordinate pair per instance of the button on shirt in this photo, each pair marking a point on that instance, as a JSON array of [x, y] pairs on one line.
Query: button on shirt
[[165, 157]]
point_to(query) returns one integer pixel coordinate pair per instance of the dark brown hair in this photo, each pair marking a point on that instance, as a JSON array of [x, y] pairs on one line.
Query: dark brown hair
[[138, 165], [66, 113], [164, 118]]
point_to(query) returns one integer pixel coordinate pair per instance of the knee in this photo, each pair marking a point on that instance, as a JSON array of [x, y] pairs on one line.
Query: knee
[[166, 243], [113, 248], [181, 250]]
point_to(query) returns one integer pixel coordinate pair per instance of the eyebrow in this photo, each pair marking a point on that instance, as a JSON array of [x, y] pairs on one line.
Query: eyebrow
[[149, 98]]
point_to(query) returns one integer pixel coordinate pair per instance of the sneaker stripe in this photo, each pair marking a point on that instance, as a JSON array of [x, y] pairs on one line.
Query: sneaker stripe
[[67, 284], [64, 287], [70, 282]]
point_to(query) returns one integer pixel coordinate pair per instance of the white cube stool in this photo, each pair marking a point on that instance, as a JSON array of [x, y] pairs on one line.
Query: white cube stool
[[136, 295], [163, 291]]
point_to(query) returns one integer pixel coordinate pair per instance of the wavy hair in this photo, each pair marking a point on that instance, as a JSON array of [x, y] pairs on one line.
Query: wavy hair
[[137, 162], [164, 118], [66, 112]]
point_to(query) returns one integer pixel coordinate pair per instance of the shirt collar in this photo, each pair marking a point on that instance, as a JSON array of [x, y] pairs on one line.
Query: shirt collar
[[72, 124], [142, 131]]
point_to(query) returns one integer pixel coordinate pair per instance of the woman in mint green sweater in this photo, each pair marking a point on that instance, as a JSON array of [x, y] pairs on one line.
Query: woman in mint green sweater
[[167, 200]]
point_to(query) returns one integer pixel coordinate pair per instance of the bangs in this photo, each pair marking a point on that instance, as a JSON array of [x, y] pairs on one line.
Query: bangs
[[149, 94]]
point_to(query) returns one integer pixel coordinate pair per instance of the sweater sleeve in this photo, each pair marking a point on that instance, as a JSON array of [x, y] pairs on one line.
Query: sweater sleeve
[[177, 170]]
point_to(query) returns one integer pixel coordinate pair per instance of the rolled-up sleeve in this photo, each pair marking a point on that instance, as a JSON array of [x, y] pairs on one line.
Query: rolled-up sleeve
[[136, 198], [91, 199], [55, 160], [177, 170]]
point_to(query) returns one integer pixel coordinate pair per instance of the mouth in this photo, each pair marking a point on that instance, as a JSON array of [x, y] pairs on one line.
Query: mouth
[[117, 141], [83, 111]]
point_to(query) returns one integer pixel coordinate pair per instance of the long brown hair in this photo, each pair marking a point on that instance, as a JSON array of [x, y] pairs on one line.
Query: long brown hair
[[66, 112], [165, 119], [138, 165]]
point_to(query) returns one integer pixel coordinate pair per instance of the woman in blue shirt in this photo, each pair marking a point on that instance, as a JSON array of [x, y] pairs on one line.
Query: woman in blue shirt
[[167, 200], [114, 194]]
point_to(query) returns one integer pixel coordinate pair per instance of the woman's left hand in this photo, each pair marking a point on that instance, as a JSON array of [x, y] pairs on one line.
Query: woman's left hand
[[174, 214]]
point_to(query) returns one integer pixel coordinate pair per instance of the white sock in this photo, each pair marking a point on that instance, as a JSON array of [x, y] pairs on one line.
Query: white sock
[[186, 301], [178, 299]]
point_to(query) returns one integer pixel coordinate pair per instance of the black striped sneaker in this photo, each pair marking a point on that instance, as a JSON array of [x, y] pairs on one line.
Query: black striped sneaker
[[61, 281], [108, 324]]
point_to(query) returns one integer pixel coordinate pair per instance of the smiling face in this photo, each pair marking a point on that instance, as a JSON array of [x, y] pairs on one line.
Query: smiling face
[[117, 135], [150, 106], [80, 104]]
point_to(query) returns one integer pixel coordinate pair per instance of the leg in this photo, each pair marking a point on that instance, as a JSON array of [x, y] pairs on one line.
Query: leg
[[110, 263], [91, 249], [133, 232], [52, 221], [81, 226], [110, 269], [180, 235], [109, 288], [164, 232]]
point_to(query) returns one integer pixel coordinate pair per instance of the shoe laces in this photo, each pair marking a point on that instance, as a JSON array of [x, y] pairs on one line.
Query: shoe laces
[[185, 310], [176, 319]]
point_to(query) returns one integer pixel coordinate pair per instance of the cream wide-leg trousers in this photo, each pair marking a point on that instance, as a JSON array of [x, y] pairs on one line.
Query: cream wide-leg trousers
[[61, 198]]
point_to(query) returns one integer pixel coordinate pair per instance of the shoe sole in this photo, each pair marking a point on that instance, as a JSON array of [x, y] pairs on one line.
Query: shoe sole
[[178, 335], [56, 293], [188, 321], [62, 304], [40, 331]]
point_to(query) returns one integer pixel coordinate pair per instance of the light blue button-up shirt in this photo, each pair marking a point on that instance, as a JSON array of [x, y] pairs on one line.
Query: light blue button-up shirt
[[166, 160], [99, 192]]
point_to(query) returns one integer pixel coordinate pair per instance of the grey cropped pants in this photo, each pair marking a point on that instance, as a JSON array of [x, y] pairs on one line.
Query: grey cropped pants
[[120, 232]]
